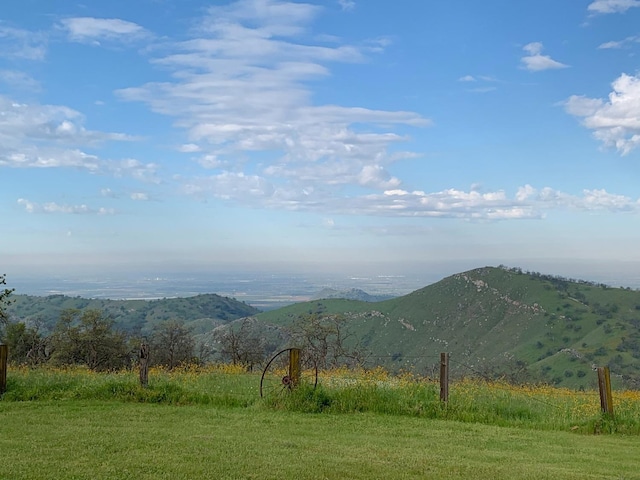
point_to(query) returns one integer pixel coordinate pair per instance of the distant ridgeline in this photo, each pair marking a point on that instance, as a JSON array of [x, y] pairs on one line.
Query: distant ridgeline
[[351, 294], [201, 312], [495, 321]]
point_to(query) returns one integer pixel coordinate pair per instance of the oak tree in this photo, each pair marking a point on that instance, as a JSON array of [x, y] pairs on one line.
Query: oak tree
[[88, 338], [4, 299]]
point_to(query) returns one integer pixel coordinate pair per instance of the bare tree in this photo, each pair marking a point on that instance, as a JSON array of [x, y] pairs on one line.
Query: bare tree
[[172, 344], [327, 340], [242, 346]]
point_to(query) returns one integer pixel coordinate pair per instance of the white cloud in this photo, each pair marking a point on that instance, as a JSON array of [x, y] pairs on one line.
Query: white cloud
[[612, 6], [591, 200], [527, 203], [22, 44], [481, 83], [92, 30], [210, 161], [249, 189], [620, 43], [616, 121], [48, 136], [242, 85], [377, 45], [450, 203], [19, 80], [53, 208], [472, 78], [54, 123], [189, 148], [611, 44], [535, 61], [132, 168], [601, 199], [377, 177], [273, 17], [139, 196], [347, 5], [48, 157], [525, 192]]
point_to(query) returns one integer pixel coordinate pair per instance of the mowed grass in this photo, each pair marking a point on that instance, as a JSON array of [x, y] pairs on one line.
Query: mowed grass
[[211, 423], [114, 440]]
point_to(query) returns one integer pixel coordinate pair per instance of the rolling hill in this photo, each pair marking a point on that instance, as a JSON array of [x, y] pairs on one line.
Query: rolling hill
[[495, 320], [201, 313]]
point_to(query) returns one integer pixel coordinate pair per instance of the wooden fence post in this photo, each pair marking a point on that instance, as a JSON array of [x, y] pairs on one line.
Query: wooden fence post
[[4, 354], [144, 364], [604, 385], [294, 366], [444, 377]]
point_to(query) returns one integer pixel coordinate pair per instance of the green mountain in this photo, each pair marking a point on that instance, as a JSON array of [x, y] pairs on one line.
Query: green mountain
[[492, 320], [201, 313], [495, 320]]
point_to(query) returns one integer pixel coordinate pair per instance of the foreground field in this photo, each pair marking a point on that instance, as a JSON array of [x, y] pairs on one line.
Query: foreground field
[[112, 440], [211, 423]]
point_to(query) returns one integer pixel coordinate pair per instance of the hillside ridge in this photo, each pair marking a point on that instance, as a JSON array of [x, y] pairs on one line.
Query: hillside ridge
[[201, 312], [497, 320], [492, 320]]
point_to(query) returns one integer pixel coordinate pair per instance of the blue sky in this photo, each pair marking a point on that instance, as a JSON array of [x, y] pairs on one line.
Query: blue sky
[[322, 134]]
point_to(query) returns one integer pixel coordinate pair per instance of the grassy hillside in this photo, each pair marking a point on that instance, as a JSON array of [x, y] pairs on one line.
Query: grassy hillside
[[202, 312], [498, 320], [492, 320]]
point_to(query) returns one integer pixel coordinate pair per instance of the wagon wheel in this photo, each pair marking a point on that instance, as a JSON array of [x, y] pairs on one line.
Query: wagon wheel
[[279, 376]]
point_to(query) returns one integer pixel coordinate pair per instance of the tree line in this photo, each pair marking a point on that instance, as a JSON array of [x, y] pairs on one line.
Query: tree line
[[89, 337]]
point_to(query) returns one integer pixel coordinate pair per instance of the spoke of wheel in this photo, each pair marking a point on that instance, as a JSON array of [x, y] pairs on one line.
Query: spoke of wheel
[[276, 378], [271, 382]]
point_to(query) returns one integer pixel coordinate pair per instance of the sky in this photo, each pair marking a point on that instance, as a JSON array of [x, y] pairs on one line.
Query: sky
[[329, 135]]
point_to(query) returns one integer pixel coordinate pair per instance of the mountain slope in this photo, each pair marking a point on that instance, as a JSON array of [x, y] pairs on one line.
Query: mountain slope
[[490, 320], [201, 312], [497, 319]]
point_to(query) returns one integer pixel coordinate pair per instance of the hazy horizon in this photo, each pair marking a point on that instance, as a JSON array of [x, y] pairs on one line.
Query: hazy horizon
[[420, 138], [270, 287]]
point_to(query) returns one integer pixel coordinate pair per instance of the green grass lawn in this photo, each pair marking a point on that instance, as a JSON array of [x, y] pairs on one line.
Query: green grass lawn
[[210, 422], [83, 439]]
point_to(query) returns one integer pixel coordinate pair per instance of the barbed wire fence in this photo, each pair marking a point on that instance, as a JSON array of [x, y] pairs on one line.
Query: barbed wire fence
[[463, 370]]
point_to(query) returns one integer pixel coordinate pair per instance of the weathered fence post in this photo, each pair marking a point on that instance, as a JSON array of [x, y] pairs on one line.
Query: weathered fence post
[[444, 377], [604, 385], [144, 364], [4, 354], [294, 366]]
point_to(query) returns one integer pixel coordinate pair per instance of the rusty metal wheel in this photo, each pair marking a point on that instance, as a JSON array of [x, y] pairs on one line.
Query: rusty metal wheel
[[286, 370]]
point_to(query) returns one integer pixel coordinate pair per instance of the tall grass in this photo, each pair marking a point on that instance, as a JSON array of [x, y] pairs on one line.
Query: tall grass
[[218, 385], [339, 391]]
